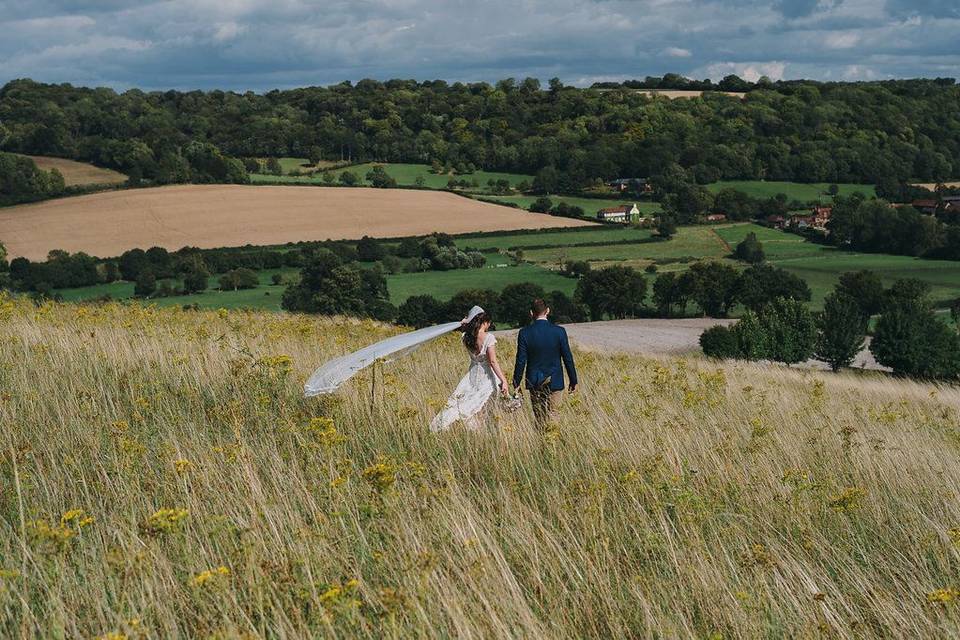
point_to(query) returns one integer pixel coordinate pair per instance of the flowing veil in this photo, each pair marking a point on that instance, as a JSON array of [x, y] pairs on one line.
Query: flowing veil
[[334, 373]]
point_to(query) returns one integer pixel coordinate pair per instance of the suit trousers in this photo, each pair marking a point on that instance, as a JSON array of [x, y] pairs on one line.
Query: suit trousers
[[545, 402]]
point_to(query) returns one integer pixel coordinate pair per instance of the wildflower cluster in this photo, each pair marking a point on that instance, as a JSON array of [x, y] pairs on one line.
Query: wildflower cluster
[[340, 598], [56, 538], [209, 577], [943, 596], [849, 499], [321, 432], [163, 521], [276, 367], [381, 475]]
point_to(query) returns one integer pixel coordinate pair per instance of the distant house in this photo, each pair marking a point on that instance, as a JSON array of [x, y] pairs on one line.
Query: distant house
[[816, 219], [925, 206], [777, 221], [716, 217], [821, 216], [625, 213], [640, 185]]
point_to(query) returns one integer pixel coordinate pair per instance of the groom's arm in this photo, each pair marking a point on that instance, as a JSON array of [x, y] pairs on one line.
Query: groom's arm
[[521, 361], [567, 356]]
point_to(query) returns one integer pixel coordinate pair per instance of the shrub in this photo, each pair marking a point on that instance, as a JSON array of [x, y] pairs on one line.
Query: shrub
[[239, 279], [369, 250], [422, 311], [749, 250], [719, 342], [842, 328], [146, 285], [195, 279], [515, 299], [615, 292], [752, 340], [541, 205], [791, 330], [912, 341]]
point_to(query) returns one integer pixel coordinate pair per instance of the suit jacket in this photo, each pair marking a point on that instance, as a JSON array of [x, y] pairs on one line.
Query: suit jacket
[[541, 346]]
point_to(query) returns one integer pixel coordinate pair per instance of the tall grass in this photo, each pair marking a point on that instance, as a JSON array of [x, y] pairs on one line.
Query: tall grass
[[162, 477]]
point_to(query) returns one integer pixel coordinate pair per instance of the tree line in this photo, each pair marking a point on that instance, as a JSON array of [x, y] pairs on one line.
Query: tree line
[[21, 180], [152, 269], [908, 337], [805, 131]]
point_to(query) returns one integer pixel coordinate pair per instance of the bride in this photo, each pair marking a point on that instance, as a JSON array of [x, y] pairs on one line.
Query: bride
[[483, 379]]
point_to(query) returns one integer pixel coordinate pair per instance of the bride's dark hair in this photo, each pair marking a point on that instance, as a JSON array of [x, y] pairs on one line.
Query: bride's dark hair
[[472, 329]]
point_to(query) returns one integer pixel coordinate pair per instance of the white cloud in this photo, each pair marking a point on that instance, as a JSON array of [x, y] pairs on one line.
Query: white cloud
[[228, 31], [751, 71], [677, 52], [841, 40]]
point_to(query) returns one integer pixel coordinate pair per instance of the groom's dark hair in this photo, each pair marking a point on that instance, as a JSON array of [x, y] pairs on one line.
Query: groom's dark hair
[[538, 307]]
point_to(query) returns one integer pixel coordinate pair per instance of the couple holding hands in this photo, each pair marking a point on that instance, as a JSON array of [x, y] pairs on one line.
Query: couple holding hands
[[543, 352]]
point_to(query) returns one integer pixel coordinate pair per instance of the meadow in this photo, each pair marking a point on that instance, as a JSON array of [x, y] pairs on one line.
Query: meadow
[[164, 477], [590, 206], [404, 173], [804, 192], [79, 173]]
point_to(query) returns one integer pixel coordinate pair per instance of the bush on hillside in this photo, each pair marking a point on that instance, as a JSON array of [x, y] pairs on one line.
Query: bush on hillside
[[842, 329], [239, 279], [719, 342]]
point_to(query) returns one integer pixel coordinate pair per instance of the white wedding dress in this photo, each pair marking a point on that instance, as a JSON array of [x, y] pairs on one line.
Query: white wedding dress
[[473, 392]]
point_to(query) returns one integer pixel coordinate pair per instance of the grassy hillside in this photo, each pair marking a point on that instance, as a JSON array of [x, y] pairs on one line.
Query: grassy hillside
[[79, 173], [163, 477]]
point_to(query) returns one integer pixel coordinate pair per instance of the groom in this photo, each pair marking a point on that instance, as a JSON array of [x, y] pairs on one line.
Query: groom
[[541, 345]]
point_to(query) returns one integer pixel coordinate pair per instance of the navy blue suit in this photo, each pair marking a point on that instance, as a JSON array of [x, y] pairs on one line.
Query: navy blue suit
[[541, 346]]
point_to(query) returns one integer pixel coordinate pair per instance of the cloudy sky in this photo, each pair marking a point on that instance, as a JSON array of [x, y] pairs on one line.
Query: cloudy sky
[[265, 44]]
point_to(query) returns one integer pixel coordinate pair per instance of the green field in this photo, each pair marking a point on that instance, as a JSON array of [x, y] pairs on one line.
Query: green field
[[266, 296], [589, 205], [404, 174], [793, 190], [689, 241], [606, 233], [440, 284]]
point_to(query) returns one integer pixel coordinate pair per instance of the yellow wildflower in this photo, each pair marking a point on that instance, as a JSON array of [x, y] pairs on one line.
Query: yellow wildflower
[[163, 521], [208, 576], [943, 596]]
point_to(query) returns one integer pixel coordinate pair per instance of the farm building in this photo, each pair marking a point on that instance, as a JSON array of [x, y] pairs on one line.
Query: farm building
[[925, 206], [639, 185], [816, 219], [777, 221], [624, 213]]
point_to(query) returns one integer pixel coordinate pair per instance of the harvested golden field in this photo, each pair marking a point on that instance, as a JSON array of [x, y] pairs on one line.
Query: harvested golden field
[[163, 477], [686, 93], [206, 216], [79, 173]]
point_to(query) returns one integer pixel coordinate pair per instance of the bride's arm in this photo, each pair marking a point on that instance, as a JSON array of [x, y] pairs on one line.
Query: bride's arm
[[492, 359]]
